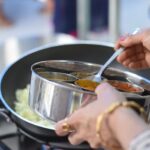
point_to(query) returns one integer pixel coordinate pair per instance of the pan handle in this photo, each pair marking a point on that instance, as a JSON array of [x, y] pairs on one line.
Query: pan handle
[[4, 113]]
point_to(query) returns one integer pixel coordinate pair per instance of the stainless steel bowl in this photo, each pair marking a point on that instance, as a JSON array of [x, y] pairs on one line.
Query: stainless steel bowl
[[55, 100], [126, 86], [82, 75], [56, 76]]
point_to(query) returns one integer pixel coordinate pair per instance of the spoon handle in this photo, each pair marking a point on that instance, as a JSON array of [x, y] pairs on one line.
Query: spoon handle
[[112, 58]]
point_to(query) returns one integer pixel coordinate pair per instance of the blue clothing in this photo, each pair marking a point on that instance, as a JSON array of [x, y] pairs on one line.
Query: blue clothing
[[99, 14], [65, 15]]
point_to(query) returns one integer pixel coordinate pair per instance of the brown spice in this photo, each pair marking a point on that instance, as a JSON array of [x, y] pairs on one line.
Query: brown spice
[[87, 84], [124, 86]]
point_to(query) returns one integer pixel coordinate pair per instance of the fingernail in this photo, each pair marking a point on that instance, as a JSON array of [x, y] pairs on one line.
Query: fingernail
[[122, 38]]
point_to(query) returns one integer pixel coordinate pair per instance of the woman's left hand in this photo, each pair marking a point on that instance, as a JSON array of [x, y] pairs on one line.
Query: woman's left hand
[[83, 121]]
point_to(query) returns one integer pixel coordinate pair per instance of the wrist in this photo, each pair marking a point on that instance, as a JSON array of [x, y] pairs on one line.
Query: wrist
[[117, 116], [123, 124]]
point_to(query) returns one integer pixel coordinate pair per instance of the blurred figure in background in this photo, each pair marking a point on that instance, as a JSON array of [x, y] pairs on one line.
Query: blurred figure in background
[[48, 7], [65, 16], [4, 21], [99, 15]]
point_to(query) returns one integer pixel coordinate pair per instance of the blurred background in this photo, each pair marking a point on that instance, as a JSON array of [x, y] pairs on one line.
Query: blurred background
[[28, 24]]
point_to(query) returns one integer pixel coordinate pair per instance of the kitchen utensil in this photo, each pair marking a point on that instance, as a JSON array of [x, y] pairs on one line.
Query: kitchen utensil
[[126, 86], [56, 76], [46, 96], [18, 75], [97, 77], [56, 100]]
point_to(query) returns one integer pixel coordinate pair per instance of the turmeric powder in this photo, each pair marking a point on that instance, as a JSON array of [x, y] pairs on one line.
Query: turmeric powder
[[87, 84]]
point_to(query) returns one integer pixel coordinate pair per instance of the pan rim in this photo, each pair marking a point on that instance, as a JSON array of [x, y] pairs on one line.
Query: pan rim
[[36, 50], [50, 45]]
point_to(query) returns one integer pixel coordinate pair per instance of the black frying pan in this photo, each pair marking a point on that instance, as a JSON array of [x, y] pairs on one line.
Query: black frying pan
[[17, 76]]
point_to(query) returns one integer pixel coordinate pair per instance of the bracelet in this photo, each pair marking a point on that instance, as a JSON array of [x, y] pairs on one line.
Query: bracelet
[[111, 109]]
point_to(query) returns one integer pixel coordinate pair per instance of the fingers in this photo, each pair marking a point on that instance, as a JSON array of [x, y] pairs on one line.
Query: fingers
[[132, 40], [66, 126], [83, 135], [138, 64], [107, 95], [105, 91], [76, 131], [76, 138], [129, 53], [69, 124], [62, 128], [146, 42], [129, 40], [138, 61], [94, 142], [103, 87], [126, 58], [118, 45], [133, 59]]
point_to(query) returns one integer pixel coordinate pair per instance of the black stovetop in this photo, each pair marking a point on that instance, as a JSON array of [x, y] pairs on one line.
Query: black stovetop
[[11, 138]]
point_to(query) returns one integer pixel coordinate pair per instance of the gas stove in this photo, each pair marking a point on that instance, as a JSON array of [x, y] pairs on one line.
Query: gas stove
[[13, 138]]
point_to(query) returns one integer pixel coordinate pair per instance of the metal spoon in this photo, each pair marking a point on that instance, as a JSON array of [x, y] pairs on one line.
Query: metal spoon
[[98, 76]]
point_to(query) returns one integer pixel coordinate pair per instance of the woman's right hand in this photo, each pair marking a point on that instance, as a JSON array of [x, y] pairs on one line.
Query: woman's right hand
[[137, 50]]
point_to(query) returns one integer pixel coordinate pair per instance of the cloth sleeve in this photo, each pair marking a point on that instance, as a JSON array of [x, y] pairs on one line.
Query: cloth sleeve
[[141, 142]]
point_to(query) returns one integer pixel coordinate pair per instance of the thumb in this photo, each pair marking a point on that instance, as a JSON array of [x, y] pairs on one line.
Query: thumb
[[108, 93], [64, 127], [102, 88]]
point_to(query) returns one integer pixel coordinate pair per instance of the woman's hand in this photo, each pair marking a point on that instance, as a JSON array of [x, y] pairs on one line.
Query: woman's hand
[[137, 50], [83, 121]]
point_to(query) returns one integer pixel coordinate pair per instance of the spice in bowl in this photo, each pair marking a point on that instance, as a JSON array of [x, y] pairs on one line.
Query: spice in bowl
[[126, 86], [57, 76], [87, 84], [119, 85], [82, 75]]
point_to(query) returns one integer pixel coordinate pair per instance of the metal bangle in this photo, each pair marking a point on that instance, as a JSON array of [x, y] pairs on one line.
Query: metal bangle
[[110, 110]]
